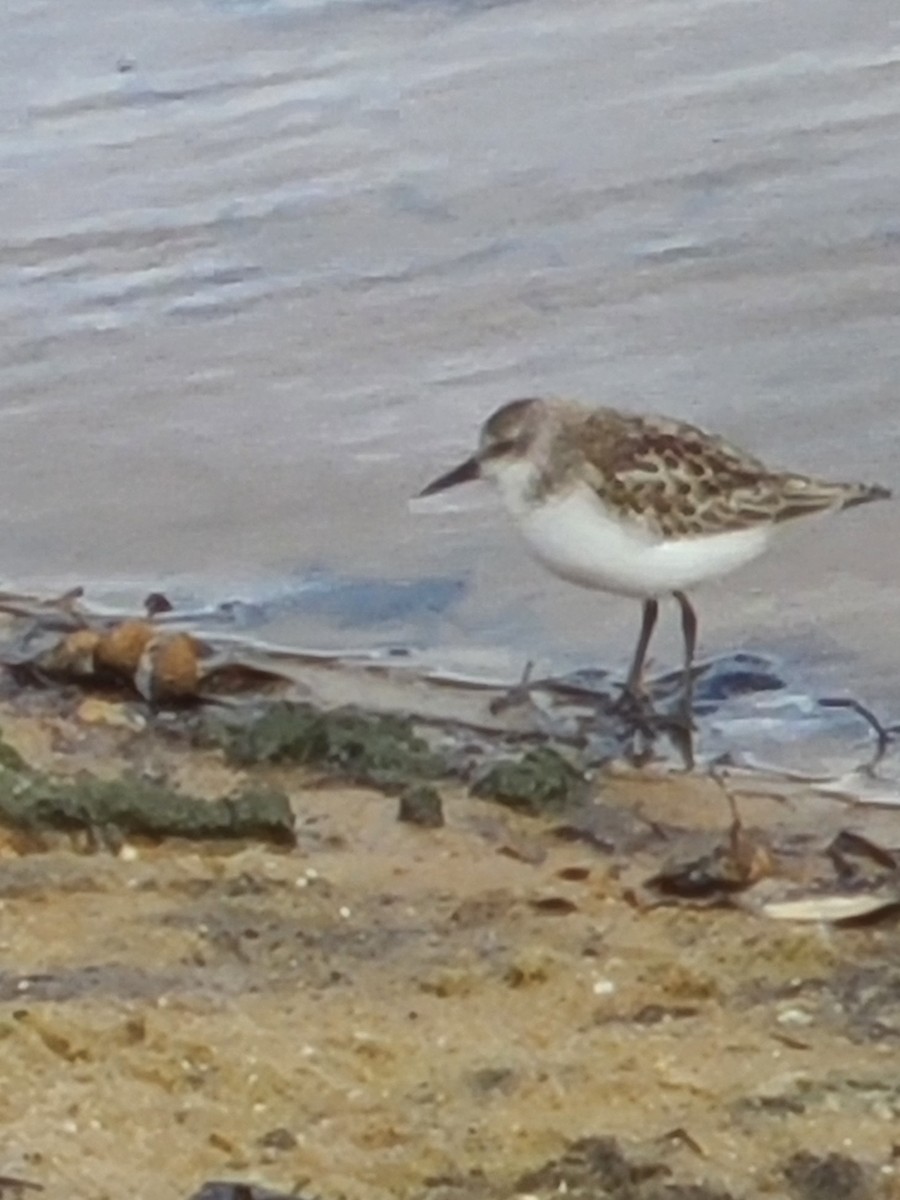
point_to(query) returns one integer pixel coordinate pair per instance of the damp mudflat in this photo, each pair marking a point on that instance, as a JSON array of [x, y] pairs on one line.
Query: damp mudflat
[[468, 1011], [265, 266]]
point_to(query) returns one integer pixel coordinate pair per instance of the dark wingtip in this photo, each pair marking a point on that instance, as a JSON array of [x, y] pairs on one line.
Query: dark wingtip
[[868, 492]]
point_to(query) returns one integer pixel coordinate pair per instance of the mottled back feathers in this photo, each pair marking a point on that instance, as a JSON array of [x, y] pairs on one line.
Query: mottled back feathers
[[672, 478]]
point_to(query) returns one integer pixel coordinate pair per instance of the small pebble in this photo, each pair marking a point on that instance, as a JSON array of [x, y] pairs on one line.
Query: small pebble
[[795, 1016], [421, 805]]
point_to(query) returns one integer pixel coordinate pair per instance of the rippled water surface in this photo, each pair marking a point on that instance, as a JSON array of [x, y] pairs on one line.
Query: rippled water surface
[[264, 268]]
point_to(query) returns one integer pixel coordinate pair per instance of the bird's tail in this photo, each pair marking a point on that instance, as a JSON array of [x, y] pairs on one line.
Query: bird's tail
[[862, 493], [801, 496]]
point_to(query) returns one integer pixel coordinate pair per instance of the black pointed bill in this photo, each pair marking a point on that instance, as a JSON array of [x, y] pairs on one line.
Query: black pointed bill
[[464, 473]]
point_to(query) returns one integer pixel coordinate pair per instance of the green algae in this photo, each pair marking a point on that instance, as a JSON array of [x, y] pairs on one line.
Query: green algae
[[385, 750], [111, 809], [541, 781], [10, 758], [372, 748], [420, 804]]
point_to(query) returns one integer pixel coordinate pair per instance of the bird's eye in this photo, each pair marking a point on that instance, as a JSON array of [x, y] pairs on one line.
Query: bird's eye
[[498, 449]]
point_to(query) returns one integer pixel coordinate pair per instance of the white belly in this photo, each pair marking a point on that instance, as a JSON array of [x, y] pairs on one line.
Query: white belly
[[578, 539]]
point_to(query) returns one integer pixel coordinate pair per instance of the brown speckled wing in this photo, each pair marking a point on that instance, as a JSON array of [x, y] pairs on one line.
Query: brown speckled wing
[[681, 482]]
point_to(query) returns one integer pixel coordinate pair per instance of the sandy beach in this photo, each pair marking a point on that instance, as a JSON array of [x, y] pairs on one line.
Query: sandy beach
[[393, 1011]]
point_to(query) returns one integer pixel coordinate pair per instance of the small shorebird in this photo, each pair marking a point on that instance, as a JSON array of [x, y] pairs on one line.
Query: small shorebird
[[642, 506]]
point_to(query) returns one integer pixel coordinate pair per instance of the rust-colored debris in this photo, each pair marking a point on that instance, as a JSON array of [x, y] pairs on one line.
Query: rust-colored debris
[[734, 865], [120, 647], [65, 642]]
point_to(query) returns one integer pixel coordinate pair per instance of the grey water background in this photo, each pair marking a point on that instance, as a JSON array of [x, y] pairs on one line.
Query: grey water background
[[265, 267]]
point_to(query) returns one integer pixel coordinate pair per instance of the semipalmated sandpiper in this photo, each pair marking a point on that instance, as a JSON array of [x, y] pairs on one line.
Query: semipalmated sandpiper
[[643, 506]]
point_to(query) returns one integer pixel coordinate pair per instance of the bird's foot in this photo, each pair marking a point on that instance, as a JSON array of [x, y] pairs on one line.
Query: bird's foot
[[643, 725], [639, 724], [633, 705]]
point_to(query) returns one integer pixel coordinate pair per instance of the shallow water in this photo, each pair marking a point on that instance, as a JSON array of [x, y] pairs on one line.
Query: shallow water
[[264, 268]]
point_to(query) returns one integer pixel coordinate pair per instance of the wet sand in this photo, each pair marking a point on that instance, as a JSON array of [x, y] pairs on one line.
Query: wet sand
[[399, 1012], [261, 260]]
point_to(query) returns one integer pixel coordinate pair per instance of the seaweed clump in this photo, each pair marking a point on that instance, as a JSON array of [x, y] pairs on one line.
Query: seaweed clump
[[369, 748], [541, 781], [107, 810]]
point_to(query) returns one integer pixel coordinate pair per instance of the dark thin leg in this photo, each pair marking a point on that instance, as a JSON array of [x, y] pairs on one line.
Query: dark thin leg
[[634, 684], [689, 630], [633, 705]]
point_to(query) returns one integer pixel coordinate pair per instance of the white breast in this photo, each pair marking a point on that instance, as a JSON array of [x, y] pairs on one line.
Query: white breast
[[579, 539]]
